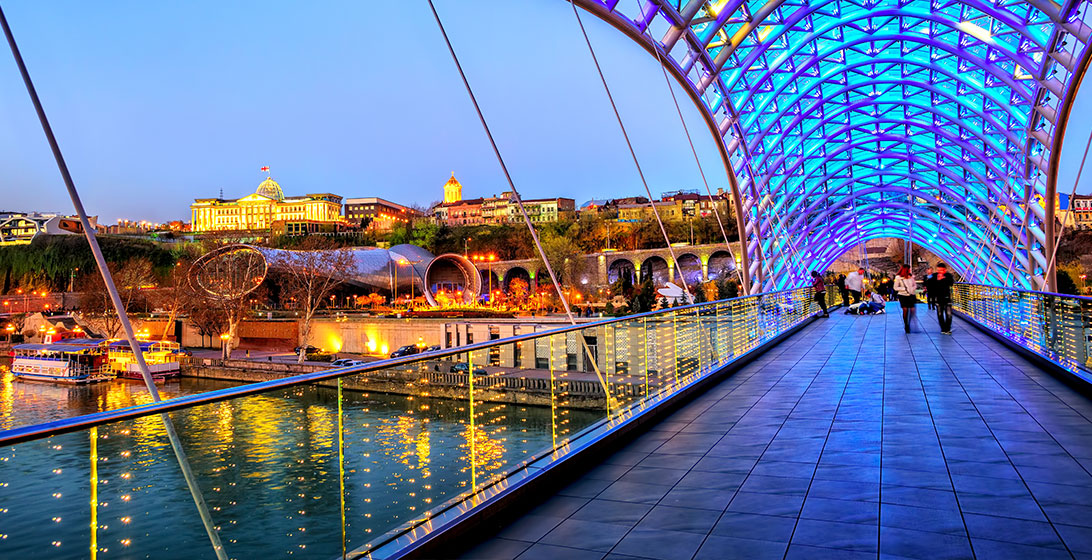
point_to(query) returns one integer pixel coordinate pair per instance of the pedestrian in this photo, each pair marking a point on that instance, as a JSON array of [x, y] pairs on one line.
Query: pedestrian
[[820, 291], [942, 287], [906, 288], [930, 297], [841, 282], [855, 284]]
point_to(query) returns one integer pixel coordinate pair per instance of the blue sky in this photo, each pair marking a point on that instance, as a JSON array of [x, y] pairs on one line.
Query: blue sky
[[157, 103]]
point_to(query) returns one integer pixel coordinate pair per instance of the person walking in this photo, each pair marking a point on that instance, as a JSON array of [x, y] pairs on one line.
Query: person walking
[[841, 283], [906, 289], [942, 291], [930, 297], [820, 291], [855, 284]]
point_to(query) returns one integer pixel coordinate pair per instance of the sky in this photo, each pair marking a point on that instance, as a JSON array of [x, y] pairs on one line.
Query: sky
[[156, 103]]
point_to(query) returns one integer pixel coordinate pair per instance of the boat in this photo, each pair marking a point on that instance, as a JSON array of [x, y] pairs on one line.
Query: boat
[[160, 355], [62, 362]]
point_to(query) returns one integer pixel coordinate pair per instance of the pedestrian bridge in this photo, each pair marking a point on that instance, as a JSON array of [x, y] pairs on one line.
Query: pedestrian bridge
[[739, 428]]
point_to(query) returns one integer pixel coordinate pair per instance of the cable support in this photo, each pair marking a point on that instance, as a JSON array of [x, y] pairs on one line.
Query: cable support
[[519, 203], [697, 160], [632, 153], [115, 298]]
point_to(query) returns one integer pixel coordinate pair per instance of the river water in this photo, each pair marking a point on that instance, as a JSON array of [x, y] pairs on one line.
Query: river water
[[268, 466]]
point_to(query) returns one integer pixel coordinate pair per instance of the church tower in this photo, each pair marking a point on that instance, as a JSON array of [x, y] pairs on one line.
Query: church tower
[[453, 190]]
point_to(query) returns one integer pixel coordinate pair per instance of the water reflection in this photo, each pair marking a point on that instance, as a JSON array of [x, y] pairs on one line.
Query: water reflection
[[268, 466]]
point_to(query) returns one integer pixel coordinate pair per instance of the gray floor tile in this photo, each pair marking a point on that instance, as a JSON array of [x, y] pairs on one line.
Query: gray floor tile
[[984, 548], [659, 544], [1008, 529], [921, 545], [755, 527], [496, 549], [689, 520], [608, 511], [720, 548], [831, 534], [542, 551], [588, 535]]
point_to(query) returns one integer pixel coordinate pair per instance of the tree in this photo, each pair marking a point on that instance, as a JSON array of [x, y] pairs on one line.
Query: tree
[[208, 320], [565, 256], [699, 294], [1066, 285], [727, 289], [129, 279], [517, 291], [174, 295], [308, 276]]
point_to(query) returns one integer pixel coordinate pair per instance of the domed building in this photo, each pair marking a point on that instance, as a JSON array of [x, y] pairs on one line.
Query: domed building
[[453, 190], [270, 189], [267, 210]]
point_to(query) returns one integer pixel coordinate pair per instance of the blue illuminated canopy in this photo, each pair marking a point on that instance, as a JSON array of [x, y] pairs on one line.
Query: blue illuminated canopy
[[843, 121]]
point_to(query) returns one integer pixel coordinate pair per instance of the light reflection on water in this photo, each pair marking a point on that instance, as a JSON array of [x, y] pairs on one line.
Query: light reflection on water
[[267, 465]]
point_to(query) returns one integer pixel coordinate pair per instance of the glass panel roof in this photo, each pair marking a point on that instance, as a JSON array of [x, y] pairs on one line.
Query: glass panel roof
[[845, 121]]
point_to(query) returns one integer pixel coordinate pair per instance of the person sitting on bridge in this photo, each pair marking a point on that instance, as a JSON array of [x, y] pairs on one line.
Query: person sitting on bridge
[[873, 304]]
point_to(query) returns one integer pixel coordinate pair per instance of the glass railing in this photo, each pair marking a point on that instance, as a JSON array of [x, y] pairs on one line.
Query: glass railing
[[1054, 326], [344, 463]]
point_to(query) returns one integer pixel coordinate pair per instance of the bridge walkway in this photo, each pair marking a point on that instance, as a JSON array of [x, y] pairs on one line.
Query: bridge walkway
[[851, 439]]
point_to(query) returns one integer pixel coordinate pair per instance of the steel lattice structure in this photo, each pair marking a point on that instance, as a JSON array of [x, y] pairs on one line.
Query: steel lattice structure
[[842, 121]]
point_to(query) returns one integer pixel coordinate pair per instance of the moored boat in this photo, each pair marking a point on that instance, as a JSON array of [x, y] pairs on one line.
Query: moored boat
[[60, 363]]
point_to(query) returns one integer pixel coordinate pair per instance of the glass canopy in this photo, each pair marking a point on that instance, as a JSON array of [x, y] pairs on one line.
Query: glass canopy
[[843, 121]]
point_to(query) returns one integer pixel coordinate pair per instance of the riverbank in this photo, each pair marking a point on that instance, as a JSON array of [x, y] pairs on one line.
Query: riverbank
[[433, 379]]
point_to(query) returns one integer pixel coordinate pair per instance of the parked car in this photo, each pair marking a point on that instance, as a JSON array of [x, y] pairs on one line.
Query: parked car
[[435, 348], [463, 367], [407, 350], [346, 362], [310, 350]]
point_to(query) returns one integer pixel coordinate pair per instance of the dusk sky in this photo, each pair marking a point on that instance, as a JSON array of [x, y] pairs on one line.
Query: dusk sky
[[156, 103]]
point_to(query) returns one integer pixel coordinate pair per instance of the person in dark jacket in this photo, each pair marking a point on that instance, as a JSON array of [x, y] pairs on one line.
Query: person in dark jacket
[[841, 283], [820, 291], [927, 283], [942, 291]]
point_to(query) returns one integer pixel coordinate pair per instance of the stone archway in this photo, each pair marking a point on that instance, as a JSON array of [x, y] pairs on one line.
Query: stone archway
[[655, 267], [621, 268]]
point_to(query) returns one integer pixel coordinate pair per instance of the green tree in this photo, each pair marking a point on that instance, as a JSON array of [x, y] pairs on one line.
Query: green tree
[[1066, 285]]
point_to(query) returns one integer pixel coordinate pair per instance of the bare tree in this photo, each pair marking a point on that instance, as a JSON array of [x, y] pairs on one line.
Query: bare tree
[[308, 276], [175, 295], [130, 278]]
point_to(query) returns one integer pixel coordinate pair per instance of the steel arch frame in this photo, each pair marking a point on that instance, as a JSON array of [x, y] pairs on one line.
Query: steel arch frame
[[711, 46]]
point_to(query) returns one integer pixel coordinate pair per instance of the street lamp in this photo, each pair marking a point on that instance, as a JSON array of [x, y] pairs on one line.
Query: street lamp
[[223, 345]]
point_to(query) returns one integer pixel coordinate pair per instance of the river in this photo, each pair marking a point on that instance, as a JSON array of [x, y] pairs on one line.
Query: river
[[268, 466]]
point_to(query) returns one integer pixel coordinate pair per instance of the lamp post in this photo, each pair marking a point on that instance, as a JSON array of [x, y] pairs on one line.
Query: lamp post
[[1084, 277], [223, 346]]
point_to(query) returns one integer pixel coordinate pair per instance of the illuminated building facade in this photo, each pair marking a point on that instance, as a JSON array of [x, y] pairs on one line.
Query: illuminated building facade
[[677, 205], [22, 227], [1080, 212], [377, 214], [268, 210], [494, 210]]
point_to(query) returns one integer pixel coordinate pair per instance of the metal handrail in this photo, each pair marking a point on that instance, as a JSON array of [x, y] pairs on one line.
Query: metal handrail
[[991, 286], [77, 423]]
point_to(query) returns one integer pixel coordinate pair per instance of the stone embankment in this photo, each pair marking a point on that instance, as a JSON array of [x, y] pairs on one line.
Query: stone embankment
[[428, 379]]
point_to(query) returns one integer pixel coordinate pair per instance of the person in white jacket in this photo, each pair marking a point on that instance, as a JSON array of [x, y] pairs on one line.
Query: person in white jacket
[[906, 288], [855, 284]]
